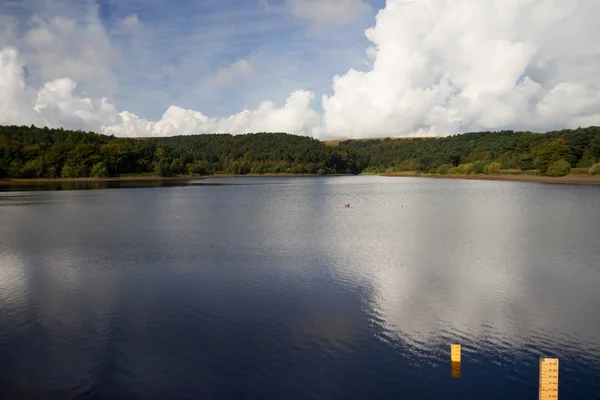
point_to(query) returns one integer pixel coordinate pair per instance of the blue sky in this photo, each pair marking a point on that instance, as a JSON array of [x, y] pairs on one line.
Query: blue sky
[[178, 45], [326, 68], [183, 44]]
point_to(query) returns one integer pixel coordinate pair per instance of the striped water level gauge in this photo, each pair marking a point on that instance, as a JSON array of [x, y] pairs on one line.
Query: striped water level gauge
[[455, 353], [455, 360], [548, 378]]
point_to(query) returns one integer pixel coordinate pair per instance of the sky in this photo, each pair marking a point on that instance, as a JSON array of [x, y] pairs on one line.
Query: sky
[[331, 69]]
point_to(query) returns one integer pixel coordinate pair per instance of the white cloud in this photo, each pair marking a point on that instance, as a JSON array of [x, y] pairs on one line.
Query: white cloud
[[17, 98], [57, 104], [456, 65], [295, 116], [226, 75], [53, 105], [437, 67], [131, 22], [327, 12], [60, 47]]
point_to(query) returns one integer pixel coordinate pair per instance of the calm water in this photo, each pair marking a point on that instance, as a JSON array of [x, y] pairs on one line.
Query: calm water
[[271, 289]]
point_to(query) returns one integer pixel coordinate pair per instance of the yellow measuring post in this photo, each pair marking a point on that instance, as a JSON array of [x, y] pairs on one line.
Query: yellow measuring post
[[548, 378], [455, 353]]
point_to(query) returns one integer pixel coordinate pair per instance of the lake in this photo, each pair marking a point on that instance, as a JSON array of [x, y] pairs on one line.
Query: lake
[[269, 288]]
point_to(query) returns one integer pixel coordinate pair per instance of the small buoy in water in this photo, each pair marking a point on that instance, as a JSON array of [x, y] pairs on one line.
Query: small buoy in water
[[347, 205]]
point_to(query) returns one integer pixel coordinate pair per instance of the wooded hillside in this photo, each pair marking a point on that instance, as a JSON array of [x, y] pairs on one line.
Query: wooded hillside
[[30, 152]]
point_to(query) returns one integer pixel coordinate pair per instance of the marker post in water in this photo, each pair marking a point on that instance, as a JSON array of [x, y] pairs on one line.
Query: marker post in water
[[455, 360], [548, 378]]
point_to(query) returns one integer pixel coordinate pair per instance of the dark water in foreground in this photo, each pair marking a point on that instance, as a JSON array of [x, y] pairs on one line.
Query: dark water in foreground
[[276, 291]]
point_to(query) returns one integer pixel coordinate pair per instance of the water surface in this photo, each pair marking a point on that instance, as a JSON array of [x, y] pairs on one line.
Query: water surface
[[270, 288]]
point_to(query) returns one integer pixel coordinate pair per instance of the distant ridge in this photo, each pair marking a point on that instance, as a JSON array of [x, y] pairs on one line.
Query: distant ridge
[[29, 152], [336, 142]]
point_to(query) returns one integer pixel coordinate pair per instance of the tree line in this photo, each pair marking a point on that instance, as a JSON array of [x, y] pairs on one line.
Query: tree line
[[552, 153], [32, 152]]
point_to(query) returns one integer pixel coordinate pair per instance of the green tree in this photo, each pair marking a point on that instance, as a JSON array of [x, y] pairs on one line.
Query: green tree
[[594, 169], [162, 169], [479, 167], [549, 152], [68, 172], [410, 165], [44, 152], [526, 162], [33, 169], [15, 169], [493, 168], [99, 170], [443, 169], [559, 168], [587, 159], [177, 166], [466, 169]]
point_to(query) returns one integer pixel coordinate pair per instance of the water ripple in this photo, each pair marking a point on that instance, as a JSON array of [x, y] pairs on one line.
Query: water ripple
[[278, 291]]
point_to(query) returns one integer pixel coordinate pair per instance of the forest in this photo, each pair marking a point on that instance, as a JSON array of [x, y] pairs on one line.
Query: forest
[[32, 152]]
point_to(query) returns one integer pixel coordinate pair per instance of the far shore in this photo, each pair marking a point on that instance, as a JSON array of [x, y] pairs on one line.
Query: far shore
[[152, 178], [569, 179], [111, 179]]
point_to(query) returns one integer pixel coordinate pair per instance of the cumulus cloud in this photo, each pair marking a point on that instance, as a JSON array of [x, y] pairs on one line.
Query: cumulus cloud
[[295, 116], [60, 47], [329, 11], [17, 99], [454, 65], [436, 67], [53, 105], [57, 104]]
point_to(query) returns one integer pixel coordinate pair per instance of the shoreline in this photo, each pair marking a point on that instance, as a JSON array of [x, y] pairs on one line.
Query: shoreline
[[569, 179], [91, 180], [18, 181]]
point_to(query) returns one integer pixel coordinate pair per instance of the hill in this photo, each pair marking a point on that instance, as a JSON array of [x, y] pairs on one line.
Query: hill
[[31, 152]]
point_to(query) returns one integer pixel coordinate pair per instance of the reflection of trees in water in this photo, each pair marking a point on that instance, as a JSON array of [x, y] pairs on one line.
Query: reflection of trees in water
[[85, 185]]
